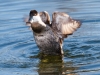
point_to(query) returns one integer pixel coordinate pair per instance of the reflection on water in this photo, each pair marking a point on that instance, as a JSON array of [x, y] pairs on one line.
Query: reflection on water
[[19, 54], [54, 65], [50, 65]]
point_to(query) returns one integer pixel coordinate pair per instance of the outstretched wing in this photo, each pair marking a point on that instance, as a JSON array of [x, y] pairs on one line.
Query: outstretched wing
[[64, 24], [45, 17]]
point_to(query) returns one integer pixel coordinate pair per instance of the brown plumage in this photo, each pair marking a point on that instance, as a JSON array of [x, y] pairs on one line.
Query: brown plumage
[[63, 24], [45, 17], [49, 36]]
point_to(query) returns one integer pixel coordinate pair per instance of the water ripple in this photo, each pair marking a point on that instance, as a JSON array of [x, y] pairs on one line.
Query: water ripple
[[19, 54]]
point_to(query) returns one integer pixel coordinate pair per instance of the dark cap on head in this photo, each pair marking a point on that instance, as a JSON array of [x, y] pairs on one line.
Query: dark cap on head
[[33, 13]]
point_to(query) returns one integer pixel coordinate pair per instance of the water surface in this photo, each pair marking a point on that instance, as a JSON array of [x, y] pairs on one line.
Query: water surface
[[19, 54]]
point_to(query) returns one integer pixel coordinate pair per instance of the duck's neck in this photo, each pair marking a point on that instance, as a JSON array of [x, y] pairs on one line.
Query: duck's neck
[[38, 27]]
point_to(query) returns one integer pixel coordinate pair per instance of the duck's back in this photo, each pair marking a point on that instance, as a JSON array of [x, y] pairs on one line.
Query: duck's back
[[47, 41]]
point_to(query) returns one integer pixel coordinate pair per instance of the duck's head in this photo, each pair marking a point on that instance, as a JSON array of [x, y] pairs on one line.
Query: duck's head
[[35, 20]]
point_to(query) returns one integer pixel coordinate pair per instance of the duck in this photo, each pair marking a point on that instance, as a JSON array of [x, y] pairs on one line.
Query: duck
[[49, 35]]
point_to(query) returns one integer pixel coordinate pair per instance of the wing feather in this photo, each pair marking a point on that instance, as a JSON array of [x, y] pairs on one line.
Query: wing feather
[[64, 24], [45, 17]]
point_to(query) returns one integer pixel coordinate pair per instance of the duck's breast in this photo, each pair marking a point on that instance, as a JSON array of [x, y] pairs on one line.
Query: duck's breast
[[47, 41]]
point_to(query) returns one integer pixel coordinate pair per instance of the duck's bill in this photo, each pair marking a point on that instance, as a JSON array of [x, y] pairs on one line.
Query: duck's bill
[[27, 20], [28, 23]]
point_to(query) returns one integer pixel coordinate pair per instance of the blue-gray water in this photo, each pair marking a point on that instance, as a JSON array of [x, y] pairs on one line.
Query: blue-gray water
[[19, 54]]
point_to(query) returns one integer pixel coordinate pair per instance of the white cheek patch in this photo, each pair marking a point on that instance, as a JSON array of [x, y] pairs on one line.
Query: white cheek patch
[[37, 19]]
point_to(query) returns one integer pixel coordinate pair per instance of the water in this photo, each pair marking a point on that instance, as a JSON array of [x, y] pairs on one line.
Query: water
[[19, 54]]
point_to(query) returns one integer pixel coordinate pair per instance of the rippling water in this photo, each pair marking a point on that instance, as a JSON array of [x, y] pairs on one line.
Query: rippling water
[[19, 54]]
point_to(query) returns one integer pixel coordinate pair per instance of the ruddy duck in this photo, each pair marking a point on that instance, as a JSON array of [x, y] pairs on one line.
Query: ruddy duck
[[49, 35]]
